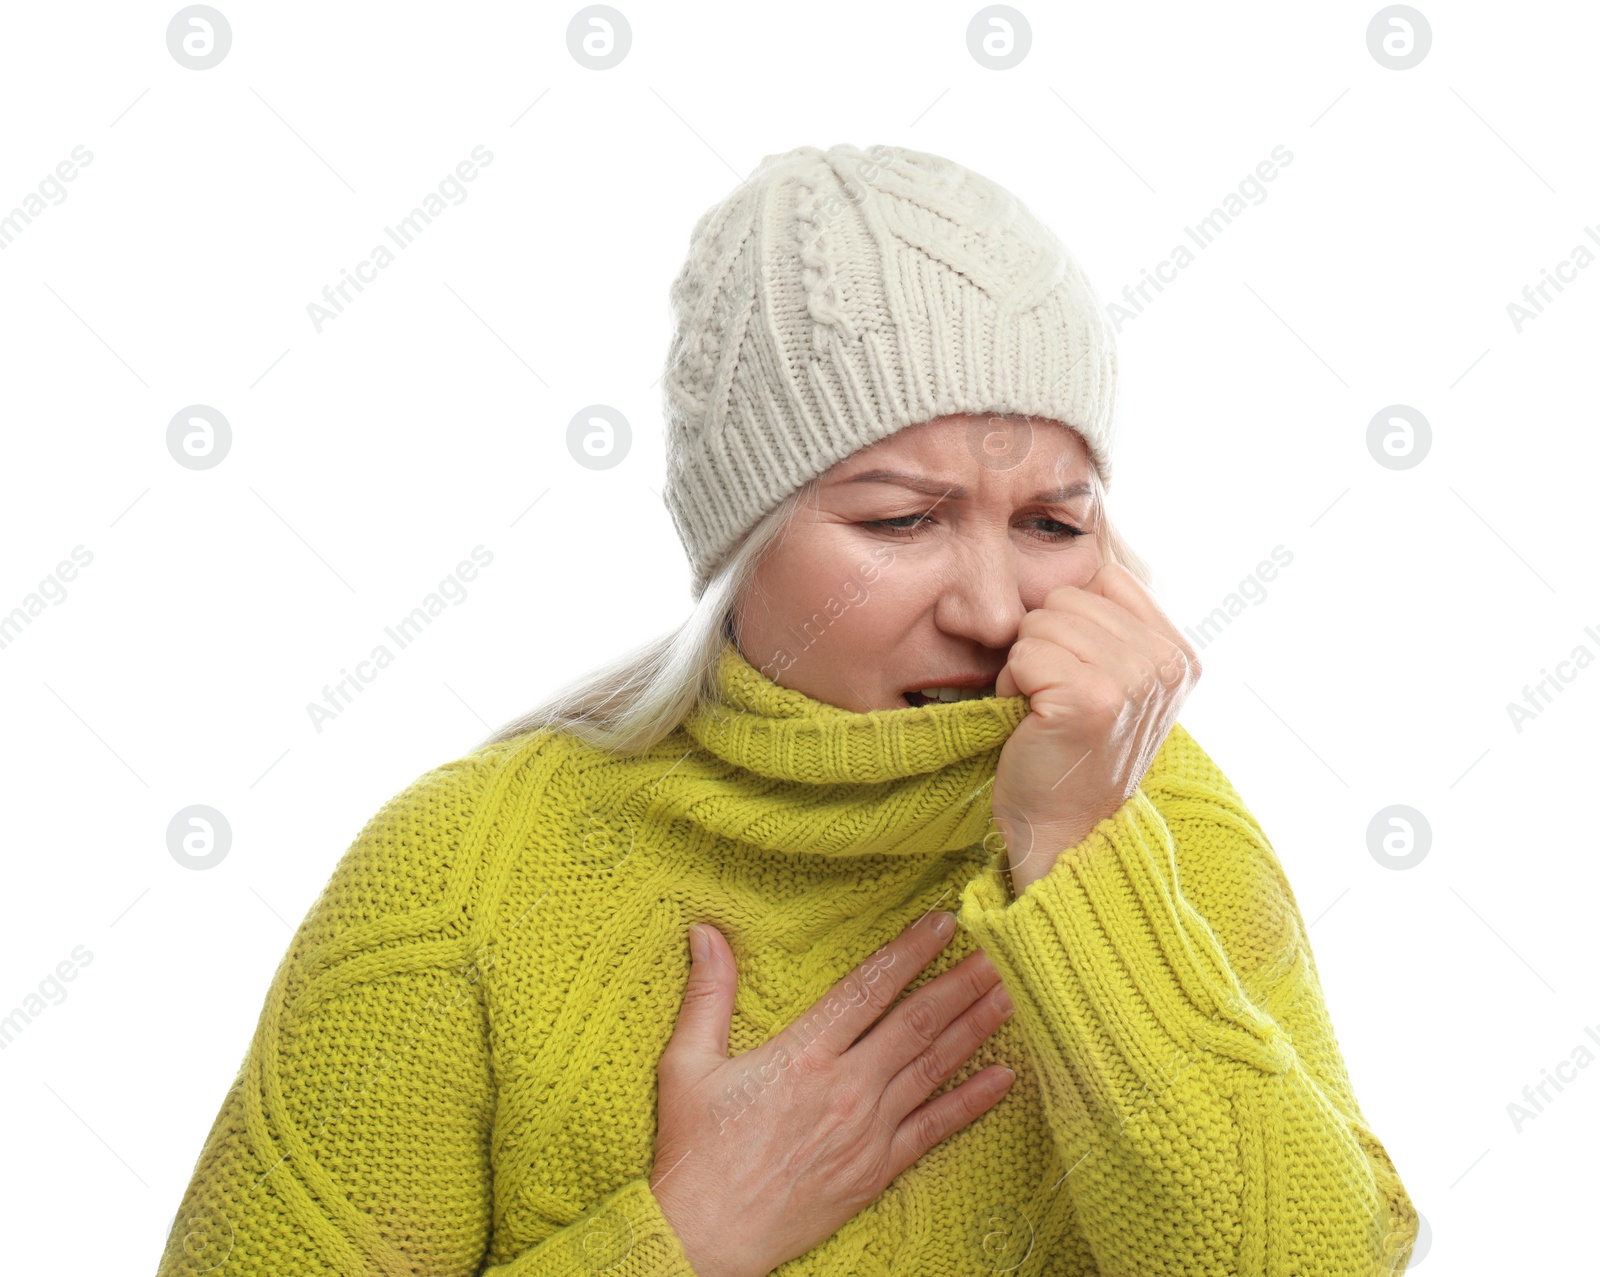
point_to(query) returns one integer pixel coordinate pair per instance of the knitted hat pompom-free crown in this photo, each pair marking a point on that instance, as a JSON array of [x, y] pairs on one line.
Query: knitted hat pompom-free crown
[[839, 296]]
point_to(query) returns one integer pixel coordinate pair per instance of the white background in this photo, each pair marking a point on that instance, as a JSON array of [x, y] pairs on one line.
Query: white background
[[370, 458]]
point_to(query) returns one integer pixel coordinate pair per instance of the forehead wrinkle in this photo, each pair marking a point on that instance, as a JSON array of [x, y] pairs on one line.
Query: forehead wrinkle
[[956, 492]]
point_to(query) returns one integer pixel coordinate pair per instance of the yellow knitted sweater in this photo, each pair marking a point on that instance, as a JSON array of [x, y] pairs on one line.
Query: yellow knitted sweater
[[454, 1068]]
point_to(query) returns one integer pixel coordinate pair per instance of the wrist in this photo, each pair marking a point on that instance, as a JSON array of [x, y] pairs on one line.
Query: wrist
[[710, 1251], [1033, 847], [1026, 835], [1027, 873]]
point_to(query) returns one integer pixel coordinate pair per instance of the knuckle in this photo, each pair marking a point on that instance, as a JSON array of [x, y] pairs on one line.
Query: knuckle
[[868, 985], [697, 991], [925, 1129], [853, 990], [930, 1071], [874, 997], [1028, 647], [840, 1106], [808, 1071], [922, 1021]]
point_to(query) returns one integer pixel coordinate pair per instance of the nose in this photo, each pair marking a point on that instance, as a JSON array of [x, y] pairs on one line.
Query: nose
[[981, 599]]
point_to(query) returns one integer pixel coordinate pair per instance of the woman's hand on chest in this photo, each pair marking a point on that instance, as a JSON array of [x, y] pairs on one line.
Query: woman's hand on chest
[[764, 1155]]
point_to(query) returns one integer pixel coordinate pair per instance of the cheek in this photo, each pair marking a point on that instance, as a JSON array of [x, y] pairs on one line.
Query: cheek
[[797, 580], [808, 577], [859, 584], [888, 594]]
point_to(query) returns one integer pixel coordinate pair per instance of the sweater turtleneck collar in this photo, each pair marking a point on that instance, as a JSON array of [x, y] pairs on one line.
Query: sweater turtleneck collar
[[781, 770]]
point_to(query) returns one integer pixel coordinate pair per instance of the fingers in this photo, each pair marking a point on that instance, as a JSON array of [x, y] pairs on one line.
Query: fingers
[[706, 1015], [1081, 634], [851, 1006], [926, 1126], [938, 1063], [1105, 617], [917, 1024], [1101, 633], [1117, 586], [1034, 665]]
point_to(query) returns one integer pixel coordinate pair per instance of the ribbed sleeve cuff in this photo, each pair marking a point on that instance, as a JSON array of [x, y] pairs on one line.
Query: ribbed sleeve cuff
[[1195, 1139], [1106, 958], [624, 1234]]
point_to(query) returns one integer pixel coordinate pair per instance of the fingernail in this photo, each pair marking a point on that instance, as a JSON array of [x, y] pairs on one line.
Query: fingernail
[[1011, 1076], [697, 943], [1002, 1000], [944, 922]]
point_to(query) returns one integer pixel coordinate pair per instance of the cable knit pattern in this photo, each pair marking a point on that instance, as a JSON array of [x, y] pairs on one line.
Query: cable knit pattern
[[453, 1073], [838, 296]]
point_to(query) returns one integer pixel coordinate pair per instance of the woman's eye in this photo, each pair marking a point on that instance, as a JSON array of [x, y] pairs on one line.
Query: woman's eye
[[891, 525], [911, 524], [1062, 531]]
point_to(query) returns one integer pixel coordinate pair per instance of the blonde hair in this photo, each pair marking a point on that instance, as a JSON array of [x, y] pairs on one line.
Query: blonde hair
[[637, 700]]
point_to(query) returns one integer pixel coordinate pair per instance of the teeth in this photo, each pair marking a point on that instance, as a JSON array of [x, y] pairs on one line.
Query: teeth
[[956, 693]]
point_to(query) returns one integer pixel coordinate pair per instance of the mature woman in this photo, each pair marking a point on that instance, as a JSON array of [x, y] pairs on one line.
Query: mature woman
[[621, 990]]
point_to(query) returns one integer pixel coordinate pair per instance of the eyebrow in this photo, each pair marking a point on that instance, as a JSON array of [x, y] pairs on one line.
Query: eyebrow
[[954, 491]]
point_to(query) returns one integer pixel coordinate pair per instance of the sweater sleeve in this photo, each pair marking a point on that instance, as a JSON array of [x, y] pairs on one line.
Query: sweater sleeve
[[622, 1235], [355, 1138], [1172, 1012]]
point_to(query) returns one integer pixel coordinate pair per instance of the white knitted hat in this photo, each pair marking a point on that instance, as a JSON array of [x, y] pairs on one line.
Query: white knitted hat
[[839, 296]]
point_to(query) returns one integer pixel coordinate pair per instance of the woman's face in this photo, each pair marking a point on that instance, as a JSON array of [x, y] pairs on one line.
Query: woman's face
[[887, 584]]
